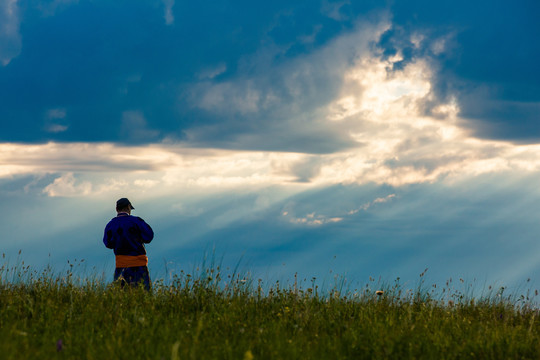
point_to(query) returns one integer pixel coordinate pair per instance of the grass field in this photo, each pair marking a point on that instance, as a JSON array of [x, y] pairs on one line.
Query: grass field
[[209, 315]]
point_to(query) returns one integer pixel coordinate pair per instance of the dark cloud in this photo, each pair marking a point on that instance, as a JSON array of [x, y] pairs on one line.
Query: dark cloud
[[488, 63], [98, 61], [497, 116], [306, 169]]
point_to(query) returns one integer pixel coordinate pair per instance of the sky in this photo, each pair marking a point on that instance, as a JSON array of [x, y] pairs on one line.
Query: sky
[[349, 139]]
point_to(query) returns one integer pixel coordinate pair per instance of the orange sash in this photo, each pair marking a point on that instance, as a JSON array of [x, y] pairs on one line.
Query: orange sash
[[123, 261]]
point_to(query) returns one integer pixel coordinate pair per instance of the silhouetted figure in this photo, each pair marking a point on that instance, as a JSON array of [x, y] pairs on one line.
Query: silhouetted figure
[[126, 235]]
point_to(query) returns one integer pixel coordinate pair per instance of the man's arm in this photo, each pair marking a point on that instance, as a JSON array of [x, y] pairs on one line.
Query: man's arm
[[107, 237], [147, 234]]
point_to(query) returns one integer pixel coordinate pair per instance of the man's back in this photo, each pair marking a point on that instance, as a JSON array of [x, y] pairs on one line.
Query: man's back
[[127, 234]]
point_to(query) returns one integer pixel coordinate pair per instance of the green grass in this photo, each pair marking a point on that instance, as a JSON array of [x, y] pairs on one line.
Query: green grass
[[212, 316]]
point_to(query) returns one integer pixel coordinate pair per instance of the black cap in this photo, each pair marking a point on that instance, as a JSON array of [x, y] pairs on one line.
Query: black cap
[[123, 203]]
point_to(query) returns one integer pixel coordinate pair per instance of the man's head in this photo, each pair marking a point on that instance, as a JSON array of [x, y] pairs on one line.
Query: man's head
[[124, 205]]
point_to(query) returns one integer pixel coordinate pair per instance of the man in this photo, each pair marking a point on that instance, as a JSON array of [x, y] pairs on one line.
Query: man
[[126, 235]]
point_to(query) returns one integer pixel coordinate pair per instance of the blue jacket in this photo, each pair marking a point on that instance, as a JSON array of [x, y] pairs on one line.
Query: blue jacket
[[127, 234]]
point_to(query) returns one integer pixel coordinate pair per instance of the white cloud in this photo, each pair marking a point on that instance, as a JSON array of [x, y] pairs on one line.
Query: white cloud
[[384, 199], [56, 128], [442, 44], [67, 186], [10, 21], [10, 38], [146, 183], [311, 220], [369, 204], [58, 113], [55, 120], [49, 8], [109, 185], [212, 72], [23, 159], [417, 39], [169, 16]]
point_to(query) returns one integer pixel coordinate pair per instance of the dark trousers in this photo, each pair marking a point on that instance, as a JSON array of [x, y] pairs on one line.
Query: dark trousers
[[133, 276]]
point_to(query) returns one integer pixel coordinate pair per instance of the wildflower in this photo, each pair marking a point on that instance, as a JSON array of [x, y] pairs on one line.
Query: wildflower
[[450, 303], [248, 355], [59, 345]]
